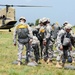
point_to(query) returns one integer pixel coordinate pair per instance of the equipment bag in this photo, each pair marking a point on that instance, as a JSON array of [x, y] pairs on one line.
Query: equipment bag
[[23, 32], [42, 32], [66, 40]]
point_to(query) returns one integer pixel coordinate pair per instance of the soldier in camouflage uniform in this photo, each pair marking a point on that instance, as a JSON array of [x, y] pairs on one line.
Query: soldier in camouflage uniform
[[35, 46], [24, 33], [56, 27], [51, 42], [40, 37], [47, 41], [64, 43]]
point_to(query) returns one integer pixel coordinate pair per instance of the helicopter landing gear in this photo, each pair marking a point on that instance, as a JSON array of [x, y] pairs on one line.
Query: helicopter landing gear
[[9, 30]]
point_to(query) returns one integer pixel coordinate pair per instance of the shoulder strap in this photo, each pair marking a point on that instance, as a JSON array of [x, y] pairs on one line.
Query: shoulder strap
[[22, 26], [62, 38]]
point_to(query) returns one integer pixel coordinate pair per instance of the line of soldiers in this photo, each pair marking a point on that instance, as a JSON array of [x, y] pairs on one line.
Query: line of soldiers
[[39, 42], [45, 38]]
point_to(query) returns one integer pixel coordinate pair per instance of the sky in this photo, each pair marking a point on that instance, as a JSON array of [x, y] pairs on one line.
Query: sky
[[60, 10]]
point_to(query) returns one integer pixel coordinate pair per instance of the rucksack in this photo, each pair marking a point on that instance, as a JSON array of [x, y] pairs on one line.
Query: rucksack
[[22, 31], [42, 32], [66, 40]]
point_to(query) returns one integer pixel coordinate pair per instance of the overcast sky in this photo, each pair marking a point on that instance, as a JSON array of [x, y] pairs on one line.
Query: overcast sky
[[61, 10]]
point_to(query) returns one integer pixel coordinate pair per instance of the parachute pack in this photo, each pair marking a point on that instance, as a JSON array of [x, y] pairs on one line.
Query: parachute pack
[[23, 32], [66, 40], [42, 32]]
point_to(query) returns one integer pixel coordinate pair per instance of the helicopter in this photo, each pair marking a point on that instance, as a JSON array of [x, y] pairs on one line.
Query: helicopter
[[7, 15]]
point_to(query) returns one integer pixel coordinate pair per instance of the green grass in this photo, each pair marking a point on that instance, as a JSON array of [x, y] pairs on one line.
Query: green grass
[[8, 54]]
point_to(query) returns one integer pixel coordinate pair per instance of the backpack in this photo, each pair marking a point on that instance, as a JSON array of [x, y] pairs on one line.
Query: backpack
[[42, 33], [22, 31], [66, 40]]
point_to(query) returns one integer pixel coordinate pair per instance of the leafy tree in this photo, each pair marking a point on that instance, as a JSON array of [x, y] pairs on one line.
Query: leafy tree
[[37, 22], [30, 24]]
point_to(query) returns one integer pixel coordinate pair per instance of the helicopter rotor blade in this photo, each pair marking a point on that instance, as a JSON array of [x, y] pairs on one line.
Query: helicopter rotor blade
[[2, 5], [29, 6], [23, 5]]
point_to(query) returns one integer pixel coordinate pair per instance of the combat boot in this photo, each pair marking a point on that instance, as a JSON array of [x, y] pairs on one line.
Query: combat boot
[[63, 64], [73, 61], [19, 63], [39, 61], [32, 63], [49, 62], [58, 65], [42, 61]]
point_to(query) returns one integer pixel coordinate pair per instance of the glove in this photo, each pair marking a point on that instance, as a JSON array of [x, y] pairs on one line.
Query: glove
[[30, 41], [14, 44], [44, 42], [70, 48], [61, 47]]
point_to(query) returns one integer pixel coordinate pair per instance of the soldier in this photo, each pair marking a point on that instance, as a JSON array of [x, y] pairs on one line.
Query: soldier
[[35, 46], [51, 42], [40, 37], [47, 41], [24, 33], [56, 29], [65, 23], [64, 43]]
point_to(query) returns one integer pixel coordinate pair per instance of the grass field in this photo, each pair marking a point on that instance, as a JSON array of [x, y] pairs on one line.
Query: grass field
[[8, 54]]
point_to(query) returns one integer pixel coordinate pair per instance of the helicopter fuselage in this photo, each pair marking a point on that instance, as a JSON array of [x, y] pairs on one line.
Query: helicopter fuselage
[[8, 25]]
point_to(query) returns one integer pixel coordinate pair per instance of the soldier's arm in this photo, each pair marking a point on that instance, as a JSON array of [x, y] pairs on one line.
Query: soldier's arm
[[59, 38], [30, 35], [47, 35], [15, 35], [30, 32]]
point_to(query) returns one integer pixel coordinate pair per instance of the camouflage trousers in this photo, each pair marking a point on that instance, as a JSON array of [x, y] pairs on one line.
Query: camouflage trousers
[[47, 51], [63, 55], [20, 50], [59, 55], [66, 53], [35, 48]]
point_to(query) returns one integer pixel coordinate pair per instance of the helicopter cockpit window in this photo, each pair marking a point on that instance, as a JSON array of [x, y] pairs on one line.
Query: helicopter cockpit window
[[2, 17]]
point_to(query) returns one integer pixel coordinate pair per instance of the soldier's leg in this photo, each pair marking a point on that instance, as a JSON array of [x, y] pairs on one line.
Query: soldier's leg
[[69, 56], [64, 57], [28, 48], [59, 58], [43, 52], [50, 52], [46, 53], [36, 52], [41, 46], [65, 54], [20, 49]]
